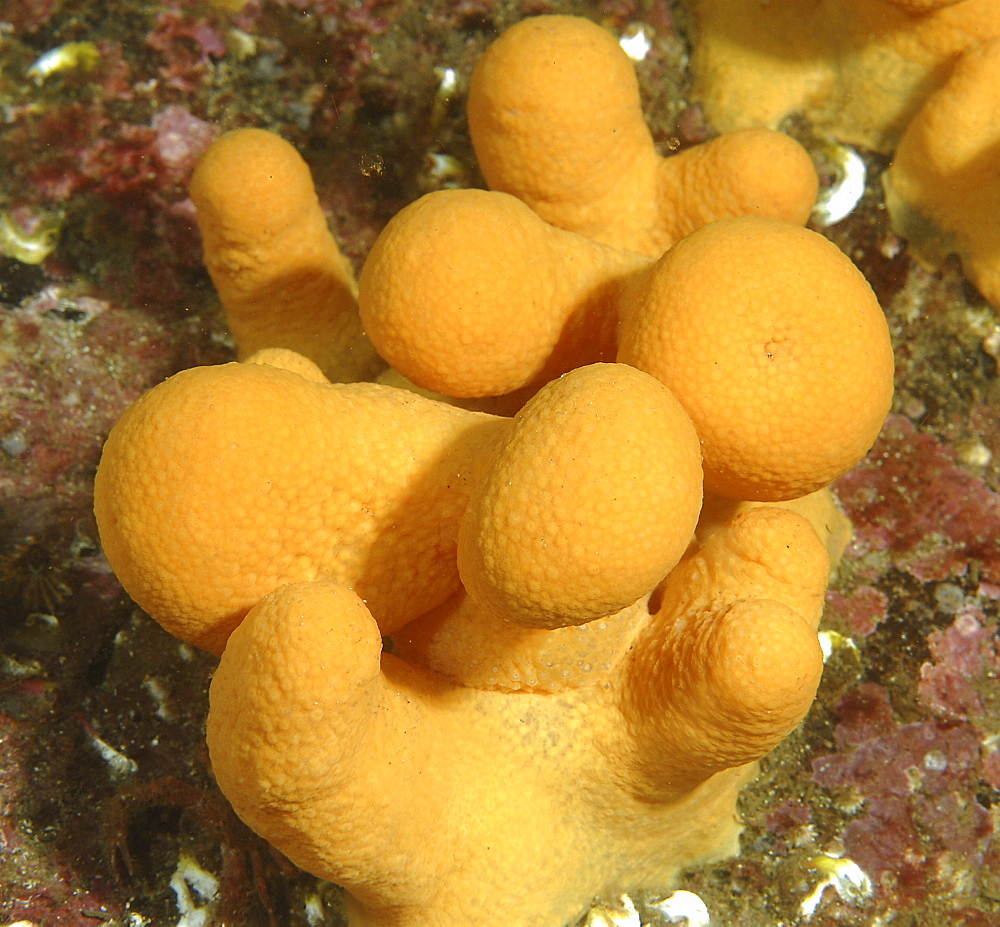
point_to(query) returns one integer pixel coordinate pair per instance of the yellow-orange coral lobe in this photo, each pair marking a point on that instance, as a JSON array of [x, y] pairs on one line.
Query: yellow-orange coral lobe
[[223, 483], [470, 293], [859, 69], [590, 500], [942, 188], [280, 275], [556, 120], [775, 345]]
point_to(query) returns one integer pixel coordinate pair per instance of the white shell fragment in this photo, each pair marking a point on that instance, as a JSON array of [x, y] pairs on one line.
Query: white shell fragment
[[636, 41], [118, 763], [72, 56], [848, 879], [830, 641], [683, 908], [839, 200], [623, 914]]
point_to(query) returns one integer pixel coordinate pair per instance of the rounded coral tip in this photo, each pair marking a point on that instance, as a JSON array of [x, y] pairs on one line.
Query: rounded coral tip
[[250, 182], [554, 84], [279, 273], [942, 188], [592, 498], [775, 344]]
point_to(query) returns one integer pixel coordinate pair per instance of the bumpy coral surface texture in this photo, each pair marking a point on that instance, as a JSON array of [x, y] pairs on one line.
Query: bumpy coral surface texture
[[860, 69], [585, 662]]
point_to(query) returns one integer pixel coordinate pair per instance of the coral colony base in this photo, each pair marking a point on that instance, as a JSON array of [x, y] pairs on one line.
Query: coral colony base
[[582, 668], [553, 684]]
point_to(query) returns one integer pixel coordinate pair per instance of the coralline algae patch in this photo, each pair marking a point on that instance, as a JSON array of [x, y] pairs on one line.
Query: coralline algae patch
[[960, 681], [915, 507], [917, 829], [915, 771]]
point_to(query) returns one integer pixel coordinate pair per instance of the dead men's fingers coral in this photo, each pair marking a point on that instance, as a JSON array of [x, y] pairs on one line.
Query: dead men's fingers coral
[[556, 119], [943, 186], [775, 345], [223, 483], [290, 523], [470, 293], [279, 273]]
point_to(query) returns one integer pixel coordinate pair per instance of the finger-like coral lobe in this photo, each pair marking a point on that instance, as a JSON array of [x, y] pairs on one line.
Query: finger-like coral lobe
[[942, 189], [556, 120], [280, 275]]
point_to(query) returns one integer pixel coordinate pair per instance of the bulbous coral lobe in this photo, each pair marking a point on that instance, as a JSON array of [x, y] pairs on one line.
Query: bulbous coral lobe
[[223, 483], [775, 345], [469, 293], [590, 500]]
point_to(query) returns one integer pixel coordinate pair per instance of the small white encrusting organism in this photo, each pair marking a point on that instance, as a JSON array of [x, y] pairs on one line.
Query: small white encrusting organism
[[848, 879]]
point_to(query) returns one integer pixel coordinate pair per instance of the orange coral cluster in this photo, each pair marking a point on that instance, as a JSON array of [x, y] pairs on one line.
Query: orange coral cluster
[[860, 69], [916, 78], [586, 660]]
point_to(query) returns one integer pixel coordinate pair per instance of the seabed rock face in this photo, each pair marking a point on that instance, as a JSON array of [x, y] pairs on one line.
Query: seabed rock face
[[107, 806]]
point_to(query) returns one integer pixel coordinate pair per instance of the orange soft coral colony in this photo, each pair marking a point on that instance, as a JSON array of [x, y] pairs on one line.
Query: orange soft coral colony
[[438, 802], [860, 69], [579, 761], [942, 188], [223, 483], [279, 273], [556, 120]]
